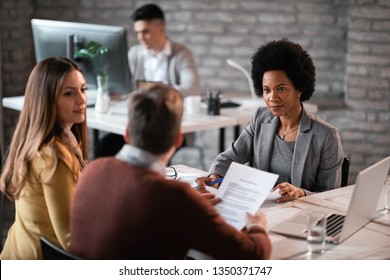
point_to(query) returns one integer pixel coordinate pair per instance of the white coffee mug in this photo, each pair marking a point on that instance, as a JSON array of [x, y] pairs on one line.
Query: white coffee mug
[[193, 105]]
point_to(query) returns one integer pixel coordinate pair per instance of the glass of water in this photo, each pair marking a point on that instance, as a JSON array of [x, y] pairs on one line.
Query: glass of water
[[316, 232], [386, 195]]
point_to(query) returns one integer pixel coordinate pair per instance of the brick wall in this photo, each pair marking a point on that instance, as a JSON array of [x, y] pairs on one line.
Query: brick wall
[[349, 41], [366, 130]]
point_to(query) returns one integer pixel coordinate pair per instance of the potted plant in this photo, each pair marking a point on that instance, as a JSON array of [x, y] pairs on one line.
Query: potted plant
[[97, 53]]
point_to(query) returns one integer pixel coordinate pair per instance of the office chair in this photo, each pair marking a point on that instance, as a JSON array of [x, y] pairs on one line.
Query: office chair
[[1, 206], [345, 172], [189, 143], [52, 252]]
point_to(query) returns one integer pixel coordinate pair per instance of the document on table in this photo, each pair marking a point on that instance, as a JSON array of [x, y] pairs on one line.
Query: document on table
[[190, 178], [244, 189]]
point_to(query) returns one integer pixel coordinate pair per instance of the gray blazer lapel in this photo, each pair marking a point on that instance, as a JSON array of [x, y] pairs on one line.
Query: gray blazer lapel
[[267, 137], [173, 73], [301, 149], [139, 75]]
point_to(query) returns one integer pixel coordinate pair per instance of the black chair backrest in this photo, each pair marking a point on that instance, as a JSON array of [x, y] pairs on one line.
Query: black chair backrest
[[53, 252], [1, 206], [345, 172]]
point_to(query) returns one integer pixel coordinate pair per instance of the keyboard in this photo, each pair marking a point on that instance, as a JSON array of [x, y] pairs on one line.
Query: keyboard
[[334, 224]]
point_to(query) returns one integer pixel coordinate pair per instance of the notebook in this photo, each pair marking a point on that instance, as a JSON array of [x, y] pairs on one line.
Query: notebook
[[362, 208]]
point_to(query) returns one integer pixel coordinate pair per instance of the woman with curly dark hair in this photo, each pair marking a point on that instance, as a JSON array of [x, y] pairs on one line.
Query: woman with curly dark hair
[[284, 138]]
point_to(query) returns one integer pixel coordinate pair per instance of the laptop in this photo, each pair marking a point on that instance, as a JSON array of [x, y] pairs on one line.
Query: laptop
[[362, 208]]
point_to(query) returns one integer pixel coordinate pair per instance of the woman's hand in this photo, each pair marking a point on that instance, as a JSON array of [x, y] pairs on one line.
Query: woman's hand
[[203, 181], [288, 192]]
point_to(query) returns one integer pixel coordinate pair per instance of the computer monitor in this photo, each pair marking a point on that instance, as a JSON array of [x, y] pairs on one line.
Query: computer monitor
[[62, 38]]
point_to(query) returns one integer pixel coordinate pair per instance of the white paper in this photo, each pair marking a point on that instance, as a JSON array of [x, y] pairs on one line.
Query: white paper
[[274, 195], [243, 189], [189, 178]]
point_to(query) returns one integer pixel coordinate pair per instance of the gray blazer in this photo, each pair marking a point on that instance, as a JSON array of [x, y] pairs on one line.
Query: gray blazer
[[317, 158], [182, 71]]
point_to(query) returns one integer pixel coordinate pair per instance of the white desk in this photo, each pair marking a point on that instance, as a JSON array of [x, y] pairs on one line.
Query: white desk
[[229, 117], [116, 123], [371, 242]]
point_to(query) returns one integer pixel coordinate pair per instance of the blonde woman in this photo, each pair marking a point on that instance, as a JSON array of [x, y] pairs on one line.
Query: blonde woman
[[47, 153]]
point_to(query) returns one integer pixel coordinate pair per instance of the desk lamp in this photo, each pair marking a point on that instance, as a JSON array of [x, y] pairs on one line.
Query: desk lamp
[[248, 77]]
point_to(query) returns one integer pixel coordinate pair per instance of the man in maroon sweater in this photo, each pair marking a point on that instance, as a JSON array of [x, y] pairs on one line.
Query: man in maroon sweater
[[125, 208]]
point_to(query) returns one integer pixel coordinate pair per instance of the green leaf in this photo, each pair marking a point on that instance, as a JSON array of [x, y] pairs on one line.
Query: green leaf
[[96, 52], [83, 53]]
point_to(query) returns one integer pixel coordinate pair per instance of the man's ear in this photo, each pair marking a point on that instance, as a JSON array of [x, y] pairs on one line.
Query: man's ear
[[126, 136], [179, 140], [162, 27]]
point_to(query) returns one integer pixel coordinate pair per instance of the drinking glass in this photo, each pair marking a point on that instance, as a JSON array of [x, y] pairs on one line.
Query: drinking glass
[[316, 232], [386, 195]]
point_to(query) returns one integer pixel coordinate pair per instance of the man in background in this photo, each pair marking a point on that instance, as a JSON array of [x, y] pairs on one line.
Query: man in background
[[156, 59]]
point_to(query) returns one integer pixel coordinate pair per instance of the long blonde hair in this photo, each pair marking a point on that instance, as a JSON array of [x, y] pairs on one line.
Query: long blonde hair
[[38, 125]]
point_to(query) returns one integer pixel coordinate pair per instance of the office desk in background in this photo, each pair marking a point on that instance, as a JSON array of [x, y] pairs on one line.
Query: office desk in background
[[370, 242], [115, 122]]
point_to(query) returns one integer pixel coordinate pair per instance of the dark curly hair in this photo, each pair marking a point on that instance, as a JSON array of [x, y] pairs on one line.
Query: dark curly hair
[[288, 57]]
